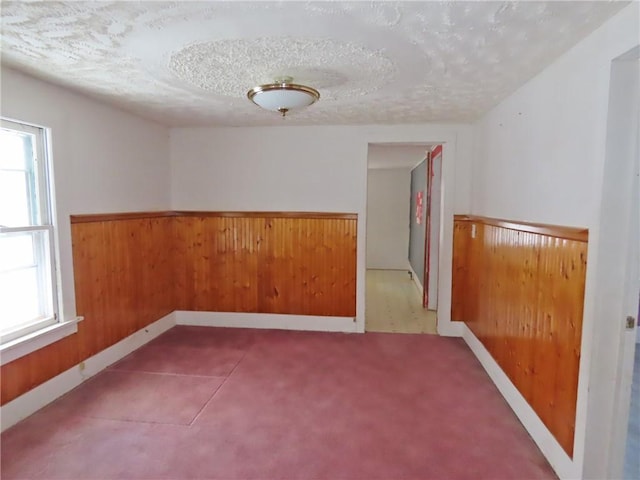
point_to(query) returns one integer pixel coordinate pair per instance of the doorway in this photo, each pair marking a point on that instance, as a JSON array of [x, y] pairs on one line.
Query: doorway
[[625, 120], [394, 286], [617, 257]]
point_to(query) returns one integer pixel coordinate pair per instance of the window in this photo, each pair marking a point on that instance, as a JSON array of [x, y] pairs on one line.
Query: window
[[28, 299]]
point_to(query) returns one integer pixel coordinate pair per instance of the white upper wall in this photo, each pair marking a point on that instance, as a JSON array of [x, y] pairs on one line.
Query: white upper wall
[[104, 160], [539, 153], [388, 216], [396, 156], [296, 168], [266, 169]]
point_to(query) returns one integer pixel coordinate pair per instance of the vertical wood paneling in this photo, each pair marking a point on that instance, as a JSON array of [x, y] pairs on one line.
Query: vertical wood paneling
[[217, 258], [304, 266], [460, 273], [312, 267], [522, 294], [123, 278], [132, 269], [29, 371], [184, 243]]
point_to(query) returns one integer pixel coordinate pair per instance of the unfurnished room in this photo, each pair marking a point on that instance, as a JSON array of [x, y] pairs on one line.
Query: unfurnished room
[[320, 240]]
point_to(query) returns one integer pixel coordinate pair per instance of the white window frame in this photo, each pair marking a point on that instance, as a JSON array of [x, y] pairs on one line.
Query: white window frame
[[45, 265], [38, 333]]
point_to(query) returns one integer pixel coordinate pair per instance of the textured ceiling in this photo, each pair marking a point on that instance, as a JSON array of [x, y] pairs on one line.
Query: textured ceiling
[[191, 63]]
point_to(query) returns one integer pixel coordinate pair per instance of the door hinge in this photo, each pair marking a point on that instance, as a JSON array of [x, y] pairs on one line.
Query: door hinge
[[631, 322]]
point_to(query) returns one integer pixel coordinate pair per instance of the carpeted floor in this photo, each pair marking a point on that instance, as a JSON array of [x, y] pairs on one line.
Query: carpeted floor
[[256, 404]]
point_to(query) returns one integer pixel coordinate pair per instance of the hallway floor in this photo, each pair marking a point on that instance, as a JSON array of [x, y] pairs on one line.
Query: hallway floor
[[219, 403], [394, 304]]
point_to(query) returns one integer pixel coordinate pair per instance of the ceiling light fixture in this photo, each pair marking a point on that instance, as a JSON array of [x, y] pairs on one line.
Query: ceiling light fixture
[[283, 95]]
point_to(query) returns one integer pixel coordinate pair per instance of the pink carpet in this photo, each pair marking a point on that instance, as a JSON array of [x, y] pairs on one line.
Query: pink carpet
[[220, 403]]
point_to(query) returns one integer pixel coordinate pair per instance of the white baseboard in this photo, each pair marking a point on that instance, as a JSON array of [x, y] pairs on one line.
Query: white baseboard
[[563, 465], [124, 347], [416, 280], [264, 320], [21, 407], [450, 329]]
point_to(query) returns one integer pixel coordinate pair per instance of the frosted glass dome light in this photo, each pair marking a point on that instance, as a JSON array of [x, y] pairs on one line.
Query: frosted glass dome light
[[283, 96]]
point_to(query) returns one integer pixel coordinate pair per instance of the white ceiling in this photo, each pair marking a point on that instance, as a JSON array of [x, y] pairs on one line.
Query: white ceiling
[[191, 63]]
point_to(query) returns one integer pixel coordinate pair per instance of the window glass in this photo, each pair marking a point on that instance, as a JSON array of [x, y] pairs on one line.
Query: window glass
[[14, 199], [13, 148], [27, 286], [16, 251], [19, 297]]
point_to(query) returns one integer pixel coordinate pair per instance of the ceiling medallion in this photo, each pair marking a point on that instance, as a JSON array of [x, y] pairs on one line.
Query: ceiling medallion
[[283, 95]]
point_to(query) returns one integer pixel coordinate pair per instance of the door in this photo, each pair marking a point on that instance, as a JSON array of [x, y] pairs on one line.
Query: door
[[432, 237]]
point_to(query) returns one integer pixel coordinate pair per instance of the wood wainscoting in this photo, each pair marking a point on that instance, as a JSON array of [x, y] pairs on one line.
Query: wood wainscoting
[[132, 269], [123, 278], [304, 265], [519, 287], [123, 282]]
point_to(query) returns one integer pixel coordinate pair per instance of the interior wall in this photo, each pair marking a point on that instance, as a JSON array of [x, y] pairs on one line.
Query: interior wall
[[312, 169], [396, 155], [104, 159], [540, 157], [293, 264], [388, 218]]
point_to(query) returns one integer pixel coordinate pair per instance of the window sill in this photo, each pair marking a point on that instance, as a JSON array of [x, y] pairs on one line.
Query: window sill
[[22, 346]]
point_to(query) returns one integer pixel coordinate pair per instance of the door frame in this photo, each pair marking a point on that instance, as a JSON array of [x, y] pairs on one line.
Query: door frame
[[614, 252], [435, 155]]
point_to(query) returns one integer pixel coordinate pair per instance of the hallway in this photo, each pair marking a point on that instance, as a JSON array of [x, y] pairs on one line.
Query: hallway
[[393, 304]]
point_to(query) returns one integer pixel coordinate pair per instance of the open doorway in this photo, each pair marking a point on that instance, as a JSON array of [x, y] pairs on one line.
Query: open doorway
[[610, 420], [629, 70], [396, 268], [622, 175]]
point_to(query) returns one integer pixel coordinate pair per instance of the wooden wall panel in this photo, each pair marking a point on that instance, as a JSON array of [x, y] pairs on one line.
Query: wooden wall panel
[[218, 263], [304, 266], [28, 372], [521, 292], [132, 269], [308, 267], [123, 278], [460, 272]]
